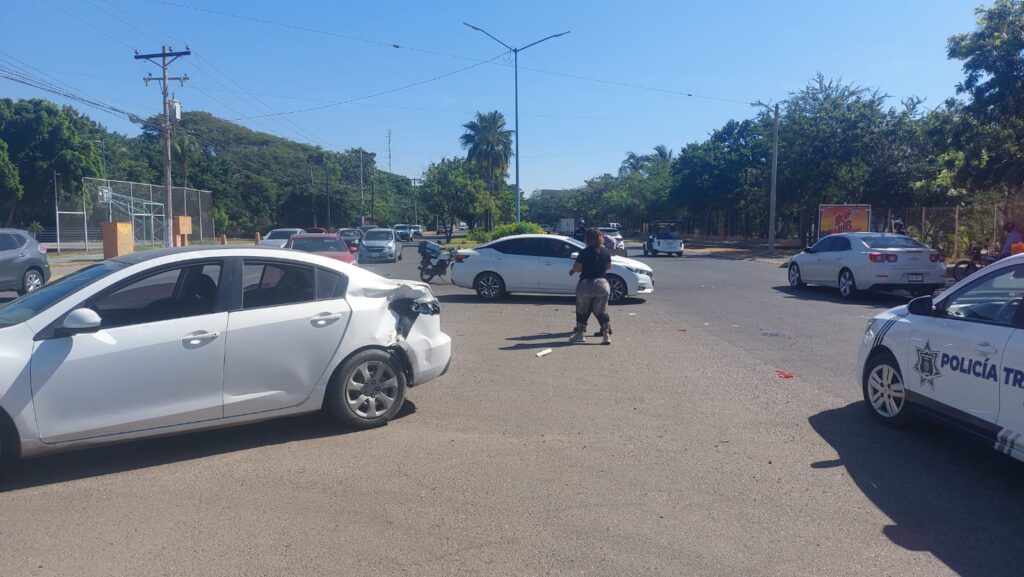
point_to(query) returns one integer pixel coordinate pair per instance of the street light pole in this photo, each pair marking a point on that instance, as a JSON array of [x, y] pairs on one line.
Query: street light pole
[[515, 56]]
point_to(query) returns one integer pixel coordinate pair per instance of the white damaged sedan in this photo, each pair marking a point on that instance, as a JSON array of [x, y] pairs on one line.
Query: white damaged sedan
[[174, 340]]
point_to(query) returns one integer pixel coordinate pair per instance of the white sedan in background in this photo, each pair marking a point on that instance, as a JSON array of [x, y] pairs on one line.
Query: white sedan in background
[[175, 340], [958, 357], [278, 237], [857, 261], [540, 263]]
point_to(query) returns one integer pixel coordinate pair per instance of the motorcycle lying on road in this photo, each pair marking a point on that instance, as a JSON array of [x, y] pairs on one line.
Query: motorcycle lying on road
[[979, 259], [434, 261]]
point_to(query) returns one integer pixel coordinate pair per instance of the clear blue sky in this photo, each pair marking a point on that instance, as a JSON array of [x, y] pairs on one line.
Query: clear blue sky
[[572, 129]]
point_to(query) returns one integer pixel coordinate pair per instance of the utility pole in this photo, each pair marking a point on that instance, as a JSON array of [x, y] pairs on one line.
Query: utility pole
[[775, 174], [389, 150], [327, 191], [166, 56], [312, 191], [362, 201]]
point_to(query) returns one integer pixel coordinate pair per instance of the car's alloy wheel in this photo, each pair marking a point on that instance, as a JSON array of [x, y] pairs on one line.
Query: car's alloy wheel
[[618, 288], [884, 391], [847, 284], [490, 286], [795, 280], [32, 282], [369, 389]]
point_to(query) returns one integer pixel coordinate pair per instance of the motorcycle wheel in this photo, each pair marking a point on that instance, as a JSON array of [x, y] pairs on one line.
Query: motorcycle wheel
[[425, 276], [963, 269]]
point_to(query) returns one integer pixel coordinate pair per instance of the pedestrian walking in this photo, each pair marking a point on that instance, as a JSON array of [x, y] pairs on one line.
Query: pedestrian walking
[[592, 290]]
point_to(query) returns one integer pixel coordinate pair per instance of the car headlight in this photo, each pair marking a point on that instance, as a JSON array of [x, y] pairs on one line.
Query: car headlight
[[639, 271], [869, 331]]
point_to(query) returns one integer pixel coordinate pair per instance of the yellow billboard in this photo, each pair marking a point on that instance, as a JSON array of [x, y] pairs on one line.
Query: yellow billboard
[[837, 218]]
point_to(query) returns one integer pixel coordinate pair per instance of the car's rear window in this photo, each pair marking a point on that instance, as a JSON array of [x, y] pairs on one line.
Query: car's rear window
[[891, 241], [280, 234], [319, 244], [379, 235], [22, 309]]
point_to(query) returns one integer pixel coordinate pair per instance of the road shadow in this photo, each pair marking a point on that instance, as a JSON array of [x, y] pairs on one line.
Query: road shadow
[[132, 455], [521, 299], [946, 494], [7, 299], [828, 294]]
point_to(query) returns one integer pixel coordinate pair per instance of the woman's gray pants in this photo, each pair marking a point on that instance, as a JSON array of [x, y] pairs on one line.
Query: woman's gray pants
[[592, 297]]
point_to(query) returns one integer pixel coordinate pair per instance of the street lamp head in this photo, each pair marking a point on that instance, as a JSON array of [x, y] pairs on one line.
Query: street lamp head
[[473, 27]]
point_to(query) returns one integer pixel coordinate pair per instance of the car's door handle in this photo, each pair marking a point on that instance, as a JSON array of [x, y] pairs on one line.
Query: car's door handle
[[198, 338], [986, 348], [323, 319]]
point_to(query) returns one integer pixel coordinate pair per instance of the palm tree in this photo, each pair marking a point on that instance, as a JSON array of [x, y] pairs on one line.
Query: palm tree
[[489, 146], [187, 149], [662, 154], [633, 163]]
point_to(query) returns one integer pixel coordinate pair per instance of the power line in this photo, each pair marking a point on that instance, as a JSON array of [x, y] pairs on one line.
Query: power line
[[376, 94], [90, 25], [309, 29], [312, 30]]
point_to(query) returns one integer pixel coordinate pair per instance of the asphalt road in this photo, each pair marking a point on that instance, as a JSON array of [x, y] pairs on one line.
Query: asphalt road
[[678, 450]]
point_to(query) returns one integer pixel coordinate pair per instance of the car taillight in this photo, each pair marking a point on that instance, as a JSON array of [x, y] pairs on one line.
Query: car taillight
[[42, 248], [461, 257], [879, 257], [353, 248], [937, 257]]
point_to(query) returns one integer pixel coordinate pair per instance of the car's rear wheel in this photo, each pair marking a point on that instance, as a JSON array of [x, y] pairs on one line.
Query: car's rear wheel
[[795, 279], [31, 282], [489, 286], [884, 391], [369, 390], [847, 284], [618, 289]]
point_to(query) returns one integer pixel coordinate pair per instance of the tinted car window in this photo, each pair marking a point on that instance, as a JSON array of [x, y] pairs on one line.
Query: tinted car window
[[7, 241], [840, 243], [823, 245], [554, 248], [992, 299], [280, 234], [330, 285], [891, 241], [170, 294], [28, 306], [274, 284], [518, 246]]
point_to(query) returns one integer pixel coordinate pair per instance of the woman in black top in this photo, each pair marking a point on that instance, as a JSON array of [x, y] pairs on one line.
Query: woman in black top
[[592, 292]]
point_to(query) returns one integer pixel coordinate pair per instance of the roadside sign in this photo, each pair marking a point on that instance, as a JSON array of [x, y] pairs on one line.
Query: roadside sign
[[837, 218], [104, 195]]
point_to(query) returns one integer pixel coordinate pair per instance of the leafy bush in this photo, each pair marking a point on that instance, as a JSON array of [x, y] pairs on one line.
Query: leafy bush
[[478, 235], [516, 228], [35, 228]]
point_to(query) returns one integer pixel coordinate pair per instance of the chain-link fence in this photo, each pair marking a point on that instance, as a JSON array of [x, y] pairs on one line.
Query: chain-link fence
[[80, 217], [953, 230]]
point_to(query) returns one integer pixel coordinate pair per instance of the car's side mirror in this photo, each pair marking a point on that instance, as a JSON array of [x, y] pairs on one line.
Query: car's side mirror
[[574, 255], [809, 250], [922, 306], [81, 320]]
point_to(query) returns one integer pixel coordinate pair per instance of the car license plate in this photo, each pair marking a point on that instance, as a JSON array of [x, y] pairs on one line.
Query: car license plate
[[915, 277]]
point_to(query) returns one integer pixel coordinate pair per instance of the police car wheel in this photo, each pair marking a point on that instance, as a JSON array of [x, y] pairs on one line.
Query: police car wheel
[[884, 392], [847, 284]]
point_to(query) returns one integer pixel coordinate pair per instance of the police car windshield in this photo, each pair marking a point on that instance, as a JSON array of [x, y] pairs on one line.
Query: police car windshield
[[891, 241], [22, 309]]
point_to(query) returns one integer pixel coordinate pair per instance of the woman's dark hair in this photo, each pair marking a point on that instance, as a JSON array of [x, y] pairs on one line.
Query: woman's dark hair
[[593, 237]]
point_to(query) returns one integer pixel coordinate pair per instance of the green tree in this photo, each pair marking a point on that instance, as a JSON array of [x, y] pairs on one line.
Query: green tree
[[452, 190], [11, 191]]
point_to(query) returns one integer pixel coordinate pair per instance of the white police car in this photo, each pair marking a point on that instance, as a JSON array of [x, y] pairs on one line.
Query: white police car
[[958, 357]]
